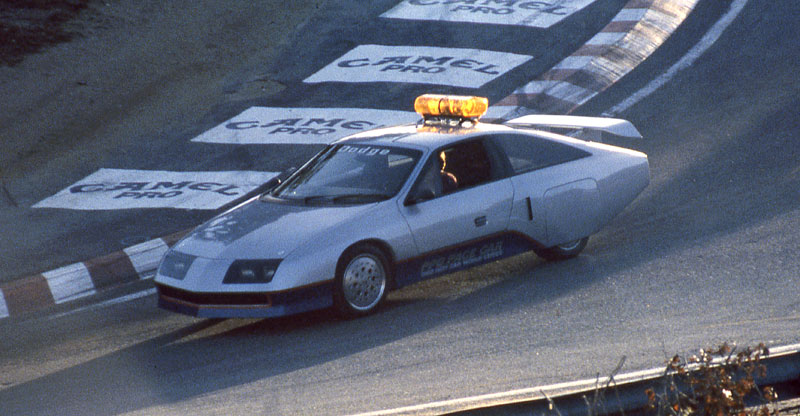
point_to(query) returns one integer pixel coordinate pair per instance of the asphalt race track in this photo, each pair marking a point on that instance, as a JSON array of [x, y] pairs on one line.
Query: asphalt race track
[[709, 253]]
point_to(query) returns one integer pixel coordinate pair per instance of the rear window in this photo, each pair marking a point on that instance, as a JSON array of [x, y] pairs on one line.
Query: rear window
[[526, 153]]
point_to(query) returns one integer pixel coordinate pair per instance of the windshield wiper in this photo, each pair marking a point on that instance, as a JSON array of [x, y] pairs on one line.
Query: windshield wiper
[[346, 197], [311, 198], [370, 197]]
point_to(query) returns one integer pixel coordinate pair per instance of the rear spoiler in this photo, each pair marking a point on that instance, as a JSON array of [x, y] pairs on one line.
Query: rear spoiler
[[615, 126]]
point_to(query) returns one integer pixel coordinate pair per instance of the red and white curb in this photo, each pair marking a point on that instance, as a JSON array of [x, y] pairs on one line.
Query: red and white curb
[[83, 279], [688, 60], [631, 36]]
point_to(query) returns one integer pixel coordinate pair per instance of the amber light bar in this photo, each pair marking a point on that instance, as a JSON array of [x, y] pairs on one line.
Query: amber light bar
[[433, 105]]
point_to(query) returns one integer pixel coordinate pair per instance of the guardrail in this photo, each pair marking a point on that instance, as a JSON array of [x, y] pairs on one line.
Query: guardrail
[[625, 392]]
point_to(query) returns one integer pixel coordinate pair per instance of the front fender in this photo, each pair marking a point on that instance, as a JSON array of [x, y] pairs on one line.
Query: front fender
[[317, 258]]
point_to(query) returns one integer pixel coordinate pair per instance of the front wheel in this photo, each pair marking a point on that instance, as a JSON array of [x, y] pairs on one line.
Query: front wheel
[[362, 277], [562, 251]]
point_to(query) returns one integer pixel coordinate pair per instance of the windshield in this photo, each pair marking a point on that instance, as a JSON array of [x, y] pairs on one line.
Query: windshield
[[351, 174]]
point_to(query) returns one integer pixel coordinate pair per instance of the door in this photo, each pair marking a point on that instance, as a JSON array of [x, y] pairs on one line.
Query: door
[[459, 196]]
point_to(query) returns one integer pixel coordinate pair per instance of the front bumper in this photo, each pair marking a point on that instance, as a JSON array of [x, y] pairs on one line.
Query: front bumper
[[244, 304]]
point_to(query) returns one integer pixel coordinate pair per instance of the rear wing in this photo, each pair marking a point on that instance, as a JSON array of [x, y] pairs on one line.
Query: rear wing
[[587, 128]]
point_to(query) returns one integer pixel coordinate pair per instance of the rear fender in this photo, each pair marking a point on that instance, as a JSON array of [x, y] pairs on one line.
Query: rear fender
[[572, 211]]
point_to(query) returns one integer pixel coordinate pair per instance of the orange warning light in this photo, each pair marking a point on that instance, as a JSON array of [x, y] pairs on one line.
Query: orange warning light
[[433, 105]]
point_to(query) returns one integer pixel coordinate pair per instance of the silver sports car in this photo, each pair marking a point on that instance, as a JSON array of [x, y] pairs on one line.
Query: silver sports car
[[389, 207]]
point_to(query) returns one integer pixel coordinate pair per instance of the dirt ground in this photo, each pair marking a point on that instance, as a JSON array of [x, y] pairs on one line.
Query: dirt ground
[[79, 77], [28, 26]]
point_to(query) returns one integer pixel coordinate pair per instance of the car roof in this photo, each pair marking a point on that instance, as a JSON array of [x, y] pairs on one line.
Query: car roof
[[423, 136]]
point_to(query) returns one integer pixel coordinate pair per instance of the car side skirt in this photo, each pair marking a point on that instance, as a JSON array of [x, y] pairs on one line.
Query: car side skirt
[[462, 256]]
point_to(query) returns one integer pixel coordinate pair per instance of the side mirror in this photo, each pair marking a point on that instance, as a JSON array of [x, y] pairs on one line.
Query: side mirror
[[269, 185], [274, 182]]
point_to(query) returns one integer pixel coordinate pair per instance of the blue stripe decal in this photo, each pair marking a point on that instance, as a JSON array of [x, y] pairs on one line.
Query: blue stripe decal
[[461, 257]]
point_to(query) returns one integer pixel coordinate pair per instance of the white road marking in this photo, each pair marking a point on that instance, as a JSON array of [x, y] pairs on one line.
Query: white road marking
[[539, 13], [110, 189], [654, 16], [273, 125], [606, 38], [574, 62], [688, 60], [3, 306], [146, 256], [537, 87], [70, 282], [635, 45], [459, 67], [630, 15], [558, 89], [570, 93]]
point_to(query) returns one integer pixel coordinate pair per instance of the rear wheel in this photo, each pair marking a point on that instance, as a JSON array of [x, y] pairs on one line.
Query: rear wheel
[[362, 277], [562, 251]]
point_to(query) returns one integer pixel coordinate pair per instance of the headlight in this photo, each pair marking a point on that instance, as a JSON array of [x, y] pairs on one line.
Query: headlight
[[251, 271], [175, 265]]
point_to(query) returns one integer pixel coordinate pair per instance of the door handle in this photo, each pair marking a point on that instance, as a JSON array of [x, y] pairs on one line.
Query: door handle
[[530, 208], [480, 221]]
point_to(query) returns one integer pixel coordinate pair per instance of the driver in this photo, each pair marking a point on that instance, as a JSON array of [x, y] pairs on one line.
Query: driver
[[449, 181]]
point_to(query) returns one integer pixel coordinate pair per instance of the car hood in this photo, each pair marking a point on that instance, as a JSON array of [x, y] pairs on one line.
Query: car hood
[[259, 229]]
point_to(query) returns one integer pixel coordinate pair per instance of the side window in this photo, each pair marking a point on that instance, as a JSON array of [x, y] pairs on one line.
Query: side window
[[463, 165], [526, 153], [467, 164]]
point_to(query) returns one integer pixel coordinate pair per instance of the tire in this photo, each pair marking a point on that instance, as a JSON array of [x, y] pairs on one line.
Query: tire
[[362, 280], [562, 251]]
